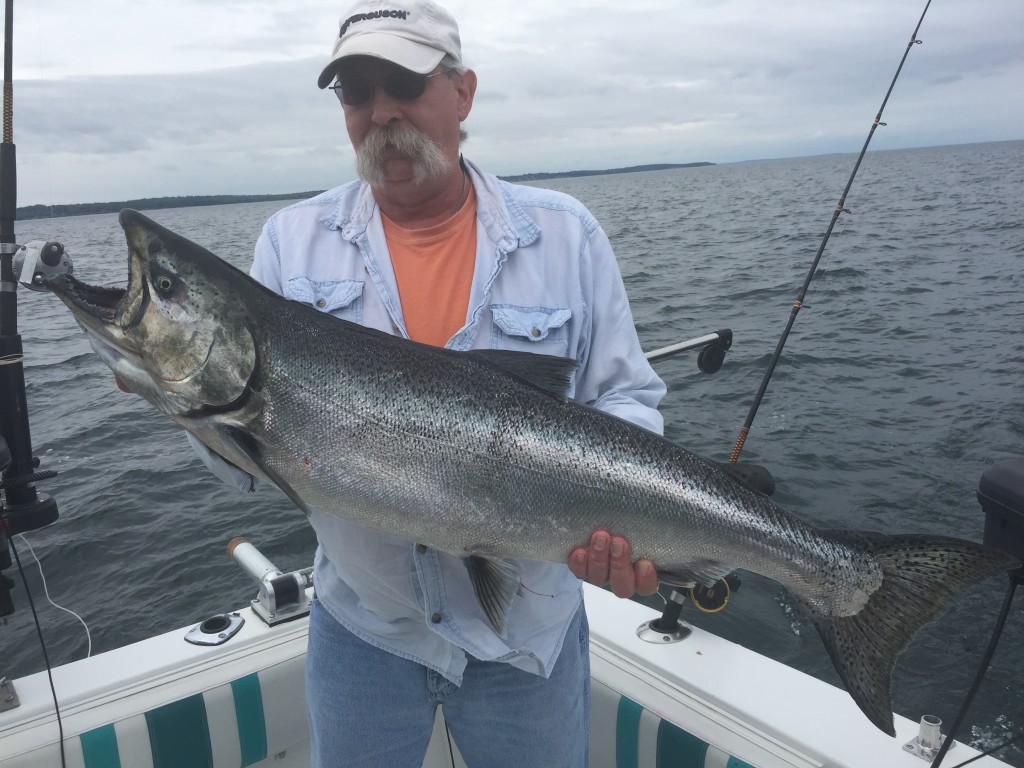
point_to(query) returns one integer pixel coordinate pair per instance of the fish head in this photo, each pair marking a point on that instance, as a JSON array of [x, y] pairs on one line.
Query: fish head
[[180, 335]]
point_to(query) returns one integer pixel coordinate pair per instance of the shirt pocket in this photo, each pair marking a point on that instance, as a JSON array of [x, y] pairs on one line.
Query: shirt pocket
[[341, 298], [542, 330]]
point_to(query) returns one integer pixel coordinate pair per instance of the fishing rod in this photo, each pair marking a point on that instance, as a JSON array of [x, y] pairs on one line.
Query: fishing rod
[[946, 741], [840, 207], [21, 507]]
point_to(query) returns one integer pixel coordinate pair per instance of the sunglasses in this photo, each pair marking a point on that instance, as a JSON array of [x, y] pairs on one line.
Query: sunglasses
[[400, 84]]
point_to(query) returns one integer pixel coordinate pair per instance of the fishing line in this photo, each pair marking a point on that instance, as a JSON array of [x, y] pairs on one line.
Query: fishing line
[[42, 644], [46, 591], [745, 431], [986, 660], [991, 751], [49, 102], [822, 271]]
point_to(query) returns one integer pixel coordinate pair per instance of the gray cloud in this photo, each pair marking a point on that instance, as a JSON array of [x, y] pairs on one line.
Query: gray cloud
[[206, 99]]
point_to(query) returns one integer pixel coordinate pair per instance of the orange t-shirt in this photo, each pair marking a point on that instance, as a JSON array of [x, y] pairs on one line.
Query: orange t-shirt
[[434, 271]]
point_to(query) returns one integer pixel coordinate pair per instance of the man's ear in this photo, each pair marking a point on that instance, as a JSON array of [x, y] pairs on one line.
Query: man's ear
[[466, 89]]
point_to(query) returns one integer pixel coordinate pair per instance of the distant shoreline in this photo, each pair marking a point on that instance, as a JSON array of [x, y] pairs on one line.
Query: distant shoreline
[[29, 212], [606, 172], [150, 204]]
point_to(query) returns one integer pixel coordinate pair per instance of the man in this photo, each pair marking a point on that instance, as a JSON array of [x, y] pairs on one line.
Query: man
[[429, 247]]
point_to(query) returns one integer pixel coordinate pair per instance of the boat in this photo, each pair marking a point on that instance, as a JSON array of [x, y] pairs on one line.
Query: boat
[[703, 702], [228, 691]]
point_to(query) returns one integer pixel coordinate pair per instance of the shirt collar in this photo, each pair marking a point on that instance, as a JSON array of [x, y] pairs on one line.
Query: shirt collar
[[507, 225]]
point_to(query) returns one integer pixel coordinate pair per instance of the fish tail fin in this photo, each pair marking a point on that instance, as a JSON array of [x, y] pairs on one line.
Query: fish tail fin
[[920, 574]]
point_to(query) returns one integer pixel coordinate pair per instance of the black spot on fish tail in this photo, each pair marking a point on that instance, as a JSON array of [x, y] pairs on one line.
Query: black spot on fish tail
[[920, 574], [250, 447]]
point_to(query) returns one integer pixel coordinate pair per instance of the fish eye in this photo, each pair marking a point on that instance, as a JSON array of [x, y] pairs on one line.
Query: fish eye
[[163, 285]]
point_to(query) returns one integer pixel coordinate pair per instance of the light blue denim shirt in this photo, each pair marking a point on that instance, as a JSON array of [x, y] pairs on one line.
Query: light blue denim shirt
[[545, 281]]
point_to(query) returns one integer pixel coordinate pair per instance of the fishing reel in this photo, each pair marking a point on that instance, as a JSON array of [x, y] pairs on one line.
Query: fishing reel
[[712, 356], [712, 346], [669, 629], [714, 598], [40, 259]]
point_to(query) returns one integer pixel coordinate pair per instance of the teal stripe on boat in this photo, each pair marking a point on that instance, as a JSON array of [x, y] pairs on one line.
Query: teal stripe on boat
[[179, 734], [252, 727], [679, 749], [735, 762], [99, 748], [627, 733]]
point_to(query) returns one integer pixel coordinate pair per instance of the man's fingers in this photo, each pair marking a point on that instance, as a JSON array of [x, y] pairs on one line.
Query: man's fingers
[[597, 558], [620, 568], [646, 578], [578, 563], [608, 559]]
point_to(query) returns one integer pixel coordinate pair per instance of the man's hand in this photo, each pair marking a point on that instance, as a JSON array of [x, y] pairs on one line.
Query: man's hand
[[609, 559]]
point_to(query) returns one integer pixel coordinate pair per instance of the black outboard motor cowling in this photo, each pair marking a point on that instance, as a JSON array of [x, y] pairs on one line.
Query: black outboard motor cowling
[[1001, 493]]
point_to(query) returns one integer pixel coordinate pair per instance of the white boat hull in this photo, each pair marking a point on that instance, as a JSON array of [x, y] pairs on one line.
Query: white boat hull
[[705, 701]]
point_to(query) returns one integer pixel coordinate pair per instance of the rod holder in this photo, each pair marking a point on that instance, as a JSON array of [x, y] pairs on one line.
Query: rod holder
[[928, 740], [282, 596], [667, 628]]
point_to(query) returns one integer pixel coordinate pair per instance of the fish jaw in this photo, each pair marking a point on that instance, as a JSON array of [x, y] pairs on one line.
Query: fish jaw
[[178, 335], [103, 313]]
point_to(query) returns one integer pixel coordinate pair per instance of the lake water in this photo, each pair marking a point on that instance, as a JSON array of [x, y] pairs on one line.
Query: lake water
[[901, 384]]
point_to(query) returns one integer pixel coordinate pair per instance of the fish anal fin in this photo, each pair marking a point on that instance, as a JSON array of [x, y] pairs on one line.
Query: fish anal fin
[[250, 447], [495, 584]]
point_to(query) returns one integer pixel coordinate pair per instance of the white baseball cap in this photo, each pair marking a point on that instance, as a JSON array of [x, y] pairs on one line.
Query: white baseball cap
[[414, 34]]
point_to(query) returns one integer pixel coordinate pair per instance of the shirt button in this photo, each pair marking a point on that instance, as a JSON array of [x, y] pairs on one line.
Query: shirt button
[[321, 303], [436, 618], [421, 548], [535, 332]]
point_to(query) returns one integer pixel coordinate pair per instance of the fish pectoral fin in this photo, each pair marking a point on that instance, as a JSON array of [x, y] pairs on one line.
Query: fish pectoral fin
[[495, 582], [250, 446], [546, 372], [686, 575]]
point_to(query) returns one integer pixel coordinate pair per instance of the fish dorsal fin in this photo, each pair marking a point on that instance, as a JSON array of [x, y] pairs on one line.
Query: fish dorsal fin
[[547, 372], [495, 583]]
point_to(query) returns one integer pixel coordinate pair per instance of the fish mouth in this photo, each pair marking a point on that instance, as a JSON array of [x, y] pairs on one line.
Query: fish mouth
[[104, 308], [103, 303]]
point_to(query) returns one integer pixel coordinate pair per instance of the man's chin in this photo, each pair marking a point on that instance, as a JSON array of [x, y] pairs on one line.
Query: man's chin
[[395, 172]]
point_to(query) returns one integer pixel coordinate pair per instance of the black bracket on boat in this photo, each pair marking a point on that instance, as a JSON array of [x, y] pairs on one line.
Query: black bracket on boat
[[712, 347], [1001, 494], [22, 509], [668, 628], [282, 596], [215, 630]]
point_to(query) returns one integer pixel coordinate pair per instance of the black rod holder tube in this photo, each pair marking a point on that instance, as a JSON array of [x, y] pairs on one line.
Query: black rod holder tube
[[24, 509]]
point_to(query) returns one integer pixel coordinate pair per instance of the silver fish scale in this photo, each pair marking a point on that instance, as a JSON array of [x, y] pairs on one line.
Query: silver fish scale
[[442, 448]]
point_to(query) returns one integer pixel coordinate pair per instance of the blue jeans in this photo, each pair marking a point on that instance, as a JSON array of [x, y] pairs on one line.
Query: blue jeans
[[368, 707]]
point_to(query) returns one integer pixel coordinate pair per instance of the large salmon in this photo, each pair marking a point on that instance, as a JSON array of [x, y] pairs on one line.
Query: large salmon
[[481, 455]]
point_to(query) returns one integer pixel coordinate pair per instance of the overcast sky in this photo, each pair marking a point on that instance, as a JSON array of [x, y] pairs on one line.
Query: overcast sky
[[115, 101]]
